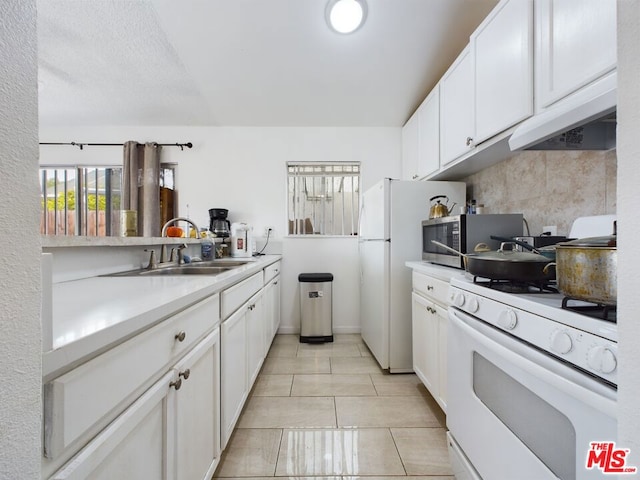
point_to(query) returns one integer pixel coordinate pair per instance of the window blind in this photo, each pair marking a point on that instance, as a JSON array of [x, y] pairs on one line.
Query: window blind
[[323, 198]]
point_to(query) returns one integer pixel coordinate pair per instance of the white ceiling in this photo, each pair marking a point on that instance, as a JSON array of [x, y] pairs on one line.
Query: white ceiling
[[243, 62]]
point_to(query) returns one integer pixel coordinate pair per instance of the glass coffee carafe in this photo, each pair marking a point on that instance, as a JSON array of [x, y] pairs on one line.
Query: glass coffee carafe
[[219, 225]]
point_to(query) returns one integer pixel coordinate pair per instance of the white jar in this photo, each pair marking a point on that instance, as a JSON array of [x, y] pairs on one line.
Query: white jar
[[241, 240]]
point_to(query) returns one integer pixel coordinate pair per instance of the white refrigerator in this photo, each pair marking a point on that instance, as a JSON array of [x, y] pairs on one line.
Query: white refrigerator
[[390, 235]]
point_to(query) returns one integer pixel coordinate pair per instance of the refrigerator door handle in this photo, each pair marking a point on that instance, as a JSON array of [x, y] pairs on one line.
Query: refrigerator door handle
[[360, 217], [360, 263]]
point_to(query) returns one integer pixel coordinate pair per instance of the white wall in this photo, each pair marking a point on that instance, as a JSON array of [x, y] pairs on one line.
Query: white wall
[[244, 169], [20, 347], [628, 227]]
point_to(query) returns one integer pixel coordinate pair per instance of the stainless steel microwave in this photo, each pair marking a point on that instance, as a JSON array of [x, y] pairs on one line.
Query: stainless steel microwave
[[463, 233]]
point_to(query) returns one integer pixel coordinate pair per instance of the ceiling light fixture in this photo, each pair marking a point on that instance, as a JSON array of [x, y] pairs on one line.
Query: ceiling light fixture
[[346, 16]]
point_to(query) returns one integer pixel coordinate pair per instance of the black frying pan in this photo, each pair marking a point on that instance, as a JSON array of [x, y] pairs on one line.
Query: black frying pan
[[505, 265]]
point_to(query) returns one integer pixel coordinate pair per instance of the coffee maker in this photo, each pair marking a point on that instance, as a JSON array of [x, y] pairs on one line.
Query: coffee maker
[[219, 225]]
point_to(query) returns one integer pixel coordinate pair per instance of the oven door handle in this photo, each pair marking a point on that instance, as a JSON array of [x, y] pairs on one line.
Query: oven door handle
[[536, 363]]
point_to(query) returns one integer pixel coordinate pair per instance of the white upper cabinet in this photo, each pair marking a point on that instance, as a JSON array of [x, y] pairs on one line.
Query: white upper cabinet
[[429, 134], [503, 50], [410, 148], [421, 139], [575, 45], [457, 117]]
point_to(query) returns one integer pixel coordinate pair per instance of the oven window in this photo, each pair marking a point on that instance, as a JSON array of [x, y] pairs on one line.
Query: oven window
[[546, 431]]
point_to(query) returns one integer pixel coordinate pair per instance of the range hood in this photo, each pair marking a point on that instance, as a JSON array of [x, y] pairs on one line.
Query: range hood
[[585, 120]]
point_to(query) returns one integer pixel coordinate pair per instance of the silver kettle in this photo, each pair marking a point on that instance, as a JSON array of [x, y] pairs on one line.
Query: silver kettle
[[439, 209]]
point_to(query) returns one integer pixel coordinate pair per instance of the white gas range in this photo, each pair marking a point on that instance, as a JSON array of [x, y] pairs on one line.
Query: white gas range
[[532, 387], [578, 337]]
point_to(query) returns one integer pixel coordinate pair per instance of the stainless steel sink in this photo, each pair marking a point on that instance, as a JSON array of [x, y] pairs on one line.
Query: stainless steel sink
[[214, 267], [186, 270], [222, 263]]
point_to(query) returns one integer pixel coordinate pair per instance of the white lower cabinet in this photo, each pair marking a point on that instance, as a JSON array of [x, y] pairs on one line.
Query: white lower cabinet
[[170, 432], [163, 404], [429, 334], [256, 326], [234, 367], [133, 446], [275, 290], [245, 340], [425, 342], [197, 411], [271, 305]]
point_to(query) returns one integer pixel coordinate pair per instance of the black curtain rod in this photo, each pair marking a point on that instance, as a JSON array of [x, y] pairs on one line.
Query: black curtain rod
[[82, 145]]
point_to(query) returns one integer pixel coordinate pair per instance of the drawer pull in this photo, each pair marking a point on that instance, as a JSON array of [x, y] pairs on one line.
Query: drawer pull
[[429, 287], [185, 374], [177, 384], [275, 283], [180, 336]]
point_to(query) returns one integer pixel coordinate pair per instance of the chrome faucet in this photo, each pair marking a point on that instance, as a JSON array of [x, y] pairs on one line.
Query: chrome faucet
[[163, 249], [184, 219]]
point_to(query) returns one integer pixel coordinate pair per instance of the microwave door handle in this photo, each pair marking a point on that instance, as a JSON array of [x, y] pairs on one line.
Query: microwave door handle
[[542, 367]]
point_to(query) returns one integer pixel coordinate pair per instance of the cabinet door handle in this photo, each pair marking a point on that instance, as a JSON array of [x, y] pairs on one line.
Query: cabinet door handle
[[469, 141], [276, 270], [177, 384], [185, 374], [275, 283], [414, 177], [180, 336]]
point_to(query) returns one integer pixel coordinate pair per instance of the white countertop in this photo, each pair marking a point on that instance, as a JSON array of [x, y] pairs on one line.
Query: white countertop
[[73, 241], [94, 314], [436, 271]]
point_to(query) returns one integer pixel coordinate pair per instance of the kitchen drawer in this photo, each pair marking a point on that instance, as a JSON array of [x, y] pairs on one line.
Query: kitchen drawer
[[271, 271], [234, 296], [430, 287], [99, 389]]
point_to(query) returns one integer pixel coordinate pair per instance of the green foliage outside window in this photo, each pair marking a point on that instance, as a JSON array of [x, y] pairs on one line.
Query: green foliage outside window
[[59, 202]]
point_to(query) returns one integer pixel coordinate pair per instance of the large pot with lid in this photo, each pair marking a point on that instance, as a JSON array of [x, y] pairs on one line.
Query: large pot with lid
[[587, 269]]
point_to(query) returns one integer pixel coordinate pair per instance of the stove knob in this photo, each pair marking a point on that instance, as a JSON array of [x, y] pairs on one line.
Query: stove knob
[[602, 359], [473, 305], [459, 299], [561, 342], [508, 319]]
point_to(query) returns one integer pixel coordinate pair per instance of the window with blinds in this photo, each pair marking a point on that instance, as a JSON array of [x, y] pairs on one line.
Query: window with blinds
[[85, 201], [80, 200], [323, 198]]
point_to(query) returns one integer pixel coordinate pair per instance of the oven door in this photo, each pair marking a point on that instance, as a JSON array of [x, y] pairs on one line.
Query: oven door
[[519, 413]]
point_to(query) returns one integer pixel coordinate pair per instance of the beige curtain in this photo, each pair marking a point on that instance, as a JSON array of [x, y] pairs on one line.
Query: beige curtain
[[141, 185]]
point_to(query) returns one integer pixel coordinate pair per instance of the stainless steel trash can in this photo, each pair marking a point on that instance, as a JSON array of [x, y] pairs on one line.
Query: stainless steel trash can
[[316, 307]]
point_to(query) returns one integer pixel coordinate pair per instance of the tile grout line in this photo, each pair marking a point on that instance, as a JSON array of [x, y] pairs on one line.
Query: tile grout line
[[275, 467], [393, 439]]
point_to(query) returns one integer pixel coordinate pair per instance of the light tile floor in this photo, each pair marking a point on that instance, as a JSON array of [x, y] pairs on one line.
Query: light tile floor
[[329, 411]]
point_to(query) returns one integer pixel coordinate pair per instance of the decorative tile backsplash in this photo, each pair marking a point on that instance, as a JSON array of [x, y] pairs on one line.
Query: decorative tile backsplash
[[548, 187]]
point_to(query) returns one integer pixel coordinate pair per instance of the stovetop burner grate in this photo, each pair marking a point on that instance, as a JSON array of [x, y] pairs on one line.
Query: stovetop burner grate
[[513, 286], [595, 310]]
